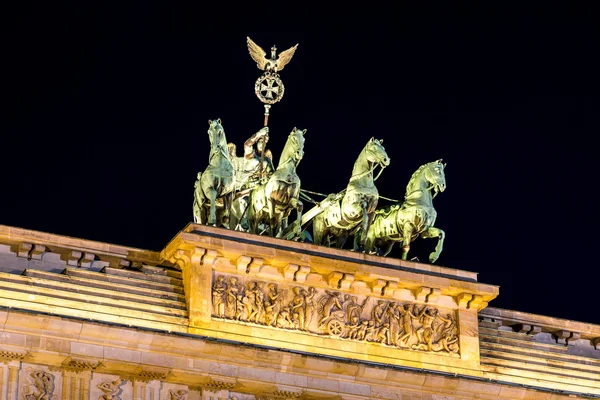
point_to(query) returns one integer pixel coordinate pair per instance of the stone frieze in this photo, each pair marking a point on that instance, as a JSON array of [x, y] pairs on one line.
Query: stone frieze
[[335, 314], [41, 386]]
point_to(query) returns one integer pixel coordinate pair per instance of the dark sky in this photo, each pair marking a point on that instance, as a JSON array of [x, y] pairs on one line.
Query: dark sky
[[105, 125]]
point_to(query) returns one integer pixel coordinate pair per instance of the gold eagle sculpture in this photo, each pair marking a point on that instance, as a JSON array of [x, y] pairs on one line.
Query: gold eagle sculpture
[[275, 63]]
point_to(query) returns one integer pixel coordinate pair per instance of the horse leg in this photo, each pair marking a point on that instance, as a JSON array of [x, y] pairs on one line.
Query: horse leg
[[273, 220], [387, 248], [341, 239], [318, 230], [227, 203], [299, 206], [198, 201], [212, 219], [369, 242], [234, 214], [253, 219], [435, 233], [366, 221], [243, 209], [283, 224], [407, 231]]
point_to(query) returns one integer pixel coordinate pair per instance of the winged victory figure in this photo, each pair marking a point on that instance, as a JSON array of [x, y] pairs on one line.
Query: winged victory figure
[[275, 63]]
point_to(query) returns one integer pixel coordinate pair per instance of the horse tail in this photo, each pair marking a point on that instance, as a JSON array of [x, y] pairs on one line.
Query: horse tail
[[198, 199]]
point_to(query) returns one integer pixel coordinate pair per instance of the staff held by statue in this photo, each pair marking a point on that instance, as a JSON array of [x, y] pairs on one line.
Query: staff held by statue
[[268, 87]]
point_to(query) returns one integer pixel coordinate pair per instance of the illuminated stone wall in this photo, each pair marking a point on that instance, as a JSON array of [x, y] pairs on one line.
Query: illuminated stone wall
[[223, 315]]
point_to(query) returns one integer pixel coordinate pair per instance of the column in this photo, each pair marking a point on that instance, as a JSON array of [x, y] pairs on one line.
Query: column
[[13, 380]]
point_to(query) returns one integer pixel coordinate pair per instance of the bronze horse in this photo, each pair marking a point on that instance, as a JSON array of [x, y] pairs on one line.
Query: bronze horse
[[217, 182], [413, 218], [270, 203], [339, 219]]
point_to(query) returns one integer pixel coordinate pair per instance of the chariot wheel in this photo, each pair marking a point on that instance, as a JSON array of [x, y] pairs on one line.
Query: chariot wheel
[[335, 327]]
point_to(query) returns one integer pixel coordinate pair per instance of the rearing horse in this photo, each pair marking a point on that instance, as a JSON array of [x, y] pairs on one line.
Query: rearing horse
[[272, 202], [218, 179], [414, 218], [359, 201]]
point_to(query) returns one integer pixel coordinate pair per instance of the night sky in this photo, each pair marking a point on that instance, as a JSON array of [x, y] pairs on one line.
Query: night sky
[[105, 125]]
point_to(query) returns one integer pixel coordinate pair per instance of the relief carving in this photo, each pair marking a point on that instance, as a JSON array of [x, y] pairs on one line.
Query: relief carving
[[335, 314], [111, 390], [42, 387], [178, 394]]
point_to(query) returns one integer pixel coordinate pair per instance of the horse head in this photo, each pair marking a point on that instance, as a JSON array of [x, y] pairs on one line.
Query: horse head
[[216, 135], [375, 152], [294, 147], [434, 174]]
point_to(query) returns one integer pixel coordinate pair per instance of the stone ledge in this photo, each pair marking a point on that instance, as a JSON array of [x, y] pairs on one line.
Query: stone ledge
[[15, 235], [522, 361], [532, 352], [94, 283], [90, 312], [73, 297], [127, 281], [548, 324], [214, 235], [49, 283]]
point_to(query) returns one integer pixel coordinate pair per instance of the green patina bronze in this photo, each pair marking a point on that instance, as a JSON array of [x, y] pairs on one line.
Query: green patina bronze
[[414, 218], [270, 203], [248, 194], [336, 221], [217, 182]]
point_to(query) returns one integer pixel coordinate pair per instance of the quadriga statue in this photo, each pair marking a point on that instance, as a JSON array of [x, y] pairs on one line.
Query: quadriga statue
[[414, 218]]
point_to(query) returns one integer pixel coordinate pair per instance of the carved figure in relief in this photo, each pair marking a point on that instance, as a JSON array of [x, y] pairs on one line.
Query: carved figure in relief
[[296, 321], [425, 332], [178, 394], [239, 312], [370, 331], [269, 314], [382, 333], [394, 321], [331, 302], [297, 306], [218, 296], [111, 390], [447, 333], [231, 297], [259, 295], [353, 309], [362, 330], [352, 328], [378, 312], [42, 388], [250, 302], [284, 320], [274, 297], [310, 305], [407, 325]]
